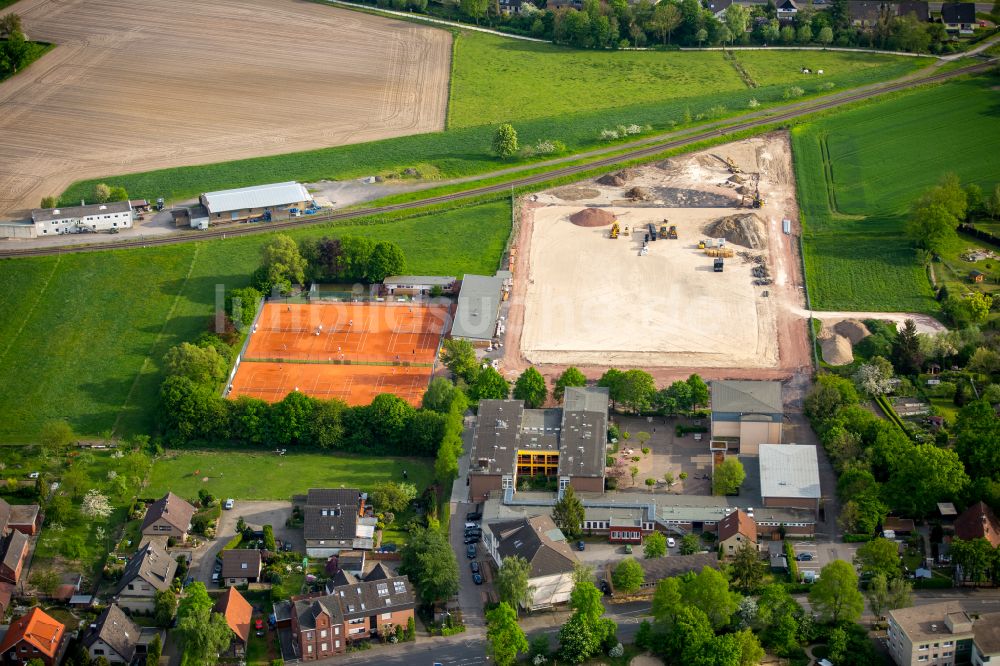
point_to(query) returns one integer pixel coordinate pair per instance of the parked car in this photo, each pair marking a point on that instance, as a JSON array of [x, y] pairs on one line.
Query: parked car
[[580, 545], [258, 624], [218, 567], [475, 533], [477, 579], [628, 549], [670, 542], [605, 588], [804, 557], [474, 566], [471, 525], [470, 552], [287, 546], [230, 503], [471, 539], [33, 475], [215, 577], [473, 516]]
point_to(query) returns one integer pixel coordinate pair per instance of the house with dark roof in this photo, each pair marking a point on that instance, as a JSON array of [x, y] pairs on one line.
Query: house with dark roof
[[240, 566], [118, 639], [736, 530], [568, 444], [746, 414], [544, 546], [13, 552], [978, 522], [787, 9], [150, 570], [352, 609], [918, 9], [238, 613], [660, 568], [25, 518], [33, 636], [169, 516], [866, 13], [334, 520], [959, 17]]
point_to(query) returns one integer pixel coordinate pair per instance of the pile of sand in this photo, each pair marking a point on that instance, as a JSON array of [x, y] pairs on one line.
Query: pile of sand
[[639, 194], [618, 178], [852, 329], [592, 217], [745, 229], [737, 178], [837, 349], [575, 193]]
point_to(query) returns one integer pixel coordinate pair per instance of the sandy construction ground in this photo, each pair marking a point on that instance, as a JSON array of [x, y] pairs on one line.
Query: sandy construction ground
[[581, 298], [135, 85]]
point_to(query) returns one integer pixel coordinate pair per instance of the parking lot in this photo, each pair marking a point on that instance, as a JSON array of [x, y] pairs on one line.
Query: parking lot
[[471, 597]]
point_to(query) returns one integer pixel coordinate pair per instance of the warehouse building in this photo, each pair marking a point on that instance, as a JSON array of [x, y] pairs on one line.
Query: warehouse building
[[476, 317], [276, 201], [745, 414], [569, 444], [91, 218], [789, 476]]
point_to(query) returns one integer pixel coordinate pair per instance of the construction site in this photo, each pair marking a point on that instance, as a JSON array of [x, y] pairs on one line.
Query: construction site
[[689, 263]]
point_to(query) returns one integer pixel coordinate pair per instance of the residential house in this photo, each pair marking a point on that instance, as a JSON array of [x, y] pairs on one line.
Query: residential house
[[866, 13], [746, 414], [335, 520], [240, 567], [544, 546], [933, 635], [736, 530], [150, 570], [33, 636], [169, 516], [959, 17], [978, 522], [26, 518], [918, 9], [789, 476], [568, 444], [787, 9], [352, 610], [118, 639], [238, 613], [508, 7], [13, 552]]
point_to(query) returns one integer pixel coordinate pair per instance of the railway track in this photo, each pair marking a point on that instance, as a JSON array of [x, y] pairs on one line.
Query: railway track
[[638, 153]]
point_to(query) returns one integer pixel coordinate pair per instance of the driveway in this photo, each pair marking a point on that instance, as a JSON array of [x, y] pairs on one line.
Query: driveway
[[471, 597], [256, 514]]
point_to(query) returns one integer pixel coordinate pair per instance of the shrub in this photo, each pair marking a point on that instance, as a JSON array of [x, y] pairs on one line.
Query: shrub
[[935, 583], [645, 450], [857, 538], [609, 461], [794, 91], [269, 542], [753, 103]]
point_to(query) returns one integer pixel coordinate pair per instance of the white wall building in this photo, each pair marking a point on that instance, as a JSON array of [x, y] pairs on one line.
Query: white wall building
[[82, 219], [543, 545]]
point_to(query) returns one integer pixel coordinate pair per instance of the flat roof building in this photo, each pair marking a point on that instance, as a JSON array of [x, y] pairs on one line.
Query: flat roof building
[[934, 635], [418, 285], [789, 476], [275, 200], [88, 218], [569, 443], [479, 306], [746, 414]]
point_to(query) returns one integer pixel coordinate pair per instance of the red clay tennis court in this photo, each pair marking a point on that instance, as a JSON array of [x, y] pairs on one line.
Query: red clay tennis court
[[354, 384], [356, 332], [349, 351]]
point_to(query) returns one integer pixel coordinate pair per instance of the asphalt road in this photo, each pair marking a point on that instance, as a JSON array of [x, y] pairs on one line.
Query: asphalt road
[[771, 116]]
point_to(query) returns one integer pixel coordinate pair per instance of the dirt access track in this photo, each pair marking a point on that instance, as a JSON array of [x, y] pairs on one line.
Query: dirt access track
[[135, 85], [581, 298]]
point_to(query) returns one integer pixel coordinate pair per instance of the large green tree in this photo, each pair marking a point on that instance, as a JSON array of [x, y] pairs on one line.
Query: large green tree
[[202, 633], [728, 477], [512, 582], [490, 385], [879, 556], [570, 377], [922, 478], [937, 213], [654, 545], [392, 496], [429, 561], [977, 440], [835, 595], [386, 259], [568, 514], [505, 136], [460, 357], [202, 365], [709, 592], [628, 576], [282, 260], [505, 637], [530, 387], [747, 571]]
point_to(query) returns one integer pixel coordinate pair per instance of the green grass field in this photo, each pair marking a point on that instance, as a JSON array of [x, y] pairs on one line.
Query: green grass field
[[35, 51], [91, 328], [268, 476], [857, 173], [552, 93]]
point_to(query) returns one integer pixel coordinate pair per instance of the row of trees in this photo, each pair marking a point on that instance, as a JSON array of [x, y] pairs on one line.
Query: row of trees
[[936, 214], [348, 259], [16, 51], [103, 193]]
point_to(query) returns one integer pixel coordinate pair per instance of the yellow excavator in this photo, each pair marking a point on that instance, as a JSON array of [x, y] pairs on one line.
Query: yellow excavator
[[733, 166], [614, 230]]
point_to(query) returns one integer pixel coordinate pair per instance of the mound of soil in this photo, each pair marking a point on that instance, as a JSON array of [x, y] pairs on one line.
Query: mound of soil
[[737, 178], [837, 349], [618, 178], [745, 229], [853, 330], [639, 194], [575, 193], [592, 217]]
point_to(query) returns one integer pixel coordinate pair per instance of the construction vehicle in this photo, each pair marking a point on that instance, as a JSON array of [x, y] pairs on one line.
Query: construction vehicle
[[663, 231], [652, 232], [625, 231], [733, 166], [614, 230], [758, 200], [719, 251], [718, 265], [672, 232], [701, 245]]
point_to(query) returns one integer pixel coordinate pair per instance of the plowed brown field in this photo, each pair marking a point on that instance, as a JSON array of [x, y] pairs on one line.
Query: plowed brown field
[[135, 85]]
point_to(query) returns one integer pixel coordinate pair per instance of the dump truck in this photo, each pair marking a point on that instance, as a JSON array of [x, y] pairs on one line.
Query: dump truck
[[717, 266], [672, 232], [652, 232], [663, 231], [701, 245], [614, 230]]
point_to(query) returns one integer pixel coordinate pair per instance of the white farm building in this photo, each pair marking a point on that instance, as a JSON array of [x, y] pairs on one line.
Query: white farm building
[[277, 201], [82, 219]]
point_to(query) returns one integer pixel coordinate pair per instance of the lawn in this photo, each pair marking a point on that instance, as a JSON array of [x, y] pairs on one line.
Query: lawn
[[35, 51], [551, 93], [857, 173], [268, 476], [91, 328]]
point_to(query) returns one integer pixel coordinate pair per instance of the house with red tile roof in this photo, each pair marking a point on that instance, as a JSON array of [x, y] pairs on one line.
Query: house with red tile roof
[[33, 636], [238, 613], [978, 522]]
